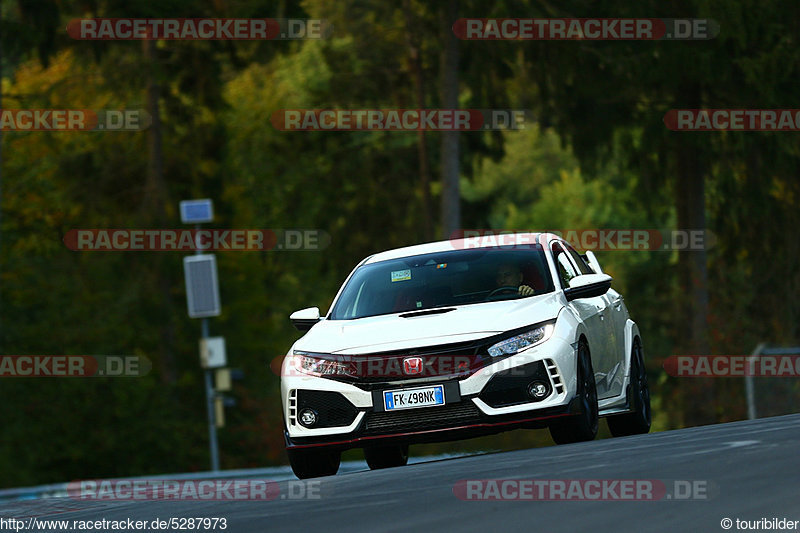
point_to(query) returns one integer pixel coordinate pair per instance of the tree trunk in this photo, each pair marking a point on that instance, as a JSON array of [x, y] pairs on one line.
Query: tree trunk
[[415, 66], [154, 192], [451, 194], [154, 208], [699, 400]]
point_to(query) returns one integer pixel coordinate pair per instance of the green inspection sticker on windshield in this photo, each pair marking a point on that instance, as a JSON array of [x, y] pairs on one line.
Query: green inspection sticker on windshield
[[401, 275]]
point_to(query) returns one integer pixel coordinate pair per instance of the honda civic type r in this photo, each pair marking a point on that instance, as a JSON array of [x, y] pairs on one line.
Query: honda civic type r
[[457, 339]]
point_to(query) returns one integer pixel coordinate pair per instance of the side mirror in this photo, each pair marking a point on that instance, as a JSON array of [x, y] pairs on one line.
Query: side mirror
[[593, 262], [587, 286], [305, 319]]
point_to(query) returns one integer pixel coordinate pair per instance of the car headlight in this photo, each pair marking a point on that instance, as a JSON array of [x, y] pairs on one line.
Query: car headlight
[[315, 366], [520, 342]]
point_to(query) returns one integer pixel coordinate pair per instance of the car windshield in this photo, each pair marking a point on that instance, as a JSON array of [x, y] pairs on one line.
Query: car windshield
[[428, 281]]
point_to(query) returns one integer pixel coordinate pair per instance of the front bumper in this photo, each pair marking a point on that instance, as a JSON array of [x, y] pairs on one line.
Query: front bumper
[[491, 400]]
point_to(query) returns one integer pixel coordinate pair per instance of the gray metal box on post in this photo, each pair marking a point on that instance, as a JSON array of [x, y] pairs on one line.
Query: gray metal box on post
[[202, 286]]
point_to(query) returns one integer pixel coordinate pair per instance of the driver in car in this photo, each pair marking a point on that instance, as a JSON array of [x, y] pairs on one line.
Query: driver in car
[[509, 275]]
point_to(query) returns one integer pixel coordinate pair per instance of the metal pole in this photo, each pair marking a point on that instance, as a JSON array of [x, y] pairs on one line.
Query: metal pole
[[748, 383], [212, 422]]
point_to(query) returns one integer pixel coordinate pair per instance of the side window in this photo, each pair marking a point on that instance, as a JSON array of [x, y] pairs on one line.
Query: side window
[[576, 257], [566, 270]]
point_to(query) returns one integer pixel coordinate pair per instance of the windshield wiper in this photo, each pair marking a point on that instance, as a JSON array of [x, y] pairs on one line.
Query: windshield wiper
[[437, 311]]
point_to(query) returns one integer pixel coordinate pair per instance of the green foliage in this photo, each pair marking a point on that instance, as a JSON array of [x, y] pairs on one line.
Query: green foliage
[[597, 156]]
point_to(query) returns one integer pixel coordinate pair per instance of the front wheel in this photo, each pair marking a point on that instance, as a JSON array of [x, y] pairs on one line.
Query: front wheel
[[386, 456], [307, 463], [581, 427], [638, 420]]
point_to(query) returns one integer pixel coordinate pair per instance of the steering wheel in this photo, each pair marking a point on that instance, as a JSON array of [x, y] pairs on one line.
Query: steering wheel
[[505, 288]]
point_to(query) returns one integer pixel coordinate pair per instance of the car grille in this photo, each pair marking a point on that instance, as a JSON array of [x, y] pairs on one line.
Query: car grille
[[421, 419], [442, 361]]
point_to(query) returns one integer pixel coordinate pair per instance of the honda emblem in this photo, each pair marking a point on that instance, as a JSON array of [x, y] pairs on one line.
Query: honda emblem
[[412, 365]]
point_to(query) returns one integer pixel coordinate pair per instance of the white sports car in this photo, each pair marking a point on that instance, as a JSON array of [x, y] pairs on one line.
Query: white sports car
[[462, 338]]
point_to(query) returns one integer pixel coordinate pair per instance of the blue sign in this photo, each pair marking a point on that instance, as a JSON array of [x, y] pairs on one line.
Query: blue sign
[[197, 211]]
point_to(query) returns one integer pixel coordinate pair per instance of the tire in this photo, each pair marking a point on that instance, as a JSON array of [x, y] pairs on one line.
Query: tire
[[638, 421], [386, 456], [582, 427], [314, 463]]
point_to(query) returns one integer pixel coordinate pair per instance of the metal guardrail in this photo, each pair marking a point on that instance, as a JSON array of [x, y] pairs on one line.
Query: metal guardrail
[[59, 490], [760, 350], [273, 473]]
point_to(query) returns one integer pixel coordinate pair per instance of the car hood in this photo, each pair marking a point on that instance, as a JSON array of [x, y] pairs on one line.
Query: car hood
[[391, 332]]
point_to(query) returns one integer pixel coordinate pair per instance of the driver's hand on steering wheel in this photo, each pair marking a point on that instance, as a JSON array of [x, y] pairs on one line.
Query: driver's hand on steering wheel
[[525, 290]]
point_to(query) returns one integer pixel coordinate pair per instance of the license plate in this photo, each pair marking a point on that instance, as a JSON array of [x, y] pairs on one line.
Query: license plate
[[410, 398]]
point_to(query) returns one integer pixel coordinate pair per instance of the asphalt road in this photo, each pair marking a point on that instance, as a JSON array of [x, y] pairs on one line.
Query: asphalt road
[[750, 471]]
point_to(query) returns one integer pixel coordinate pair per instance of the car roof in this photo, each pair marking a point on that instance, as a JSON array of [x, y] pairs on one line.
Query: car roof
[[482, 239]]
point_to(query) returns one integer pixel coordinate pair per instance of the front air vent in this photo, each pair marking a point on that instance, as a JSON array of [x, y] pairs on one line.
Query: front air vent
[[513, 386], [332, 408], [421, 419], [552, 370], [293, 407]]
